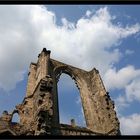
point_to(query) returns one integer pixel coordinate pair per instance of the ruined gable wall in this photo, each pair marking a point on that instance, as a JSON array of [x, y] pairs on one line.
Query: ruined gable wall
[[39, 111]]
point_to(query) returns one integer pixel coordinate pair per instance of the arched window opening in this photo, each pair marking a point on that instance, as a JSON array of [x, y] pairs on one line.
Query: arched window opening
[[70, 105], [16, 118]]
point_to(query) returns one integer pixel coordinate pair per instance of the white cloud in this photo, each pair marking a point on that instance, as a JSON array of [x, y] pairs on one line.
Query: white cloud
[[88, 13], [121, 104], [133, 90], [130, 125], [119, 79], [24, 30], [128, 79]]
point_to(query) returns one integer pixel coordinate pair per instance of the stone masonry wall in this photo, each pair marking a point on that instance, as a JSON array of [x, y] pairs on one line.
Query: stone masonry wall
[[39, 111]]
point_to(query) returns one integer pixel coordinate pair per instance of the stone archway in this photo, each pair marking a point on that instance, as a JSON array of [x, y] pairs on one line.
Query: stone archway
[[66, 70], [60, 73], [58, 69]]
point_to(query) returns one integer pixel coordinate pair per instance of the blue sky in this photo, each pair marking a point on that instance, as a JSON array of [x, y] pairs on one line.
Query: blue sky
[[103, 36]]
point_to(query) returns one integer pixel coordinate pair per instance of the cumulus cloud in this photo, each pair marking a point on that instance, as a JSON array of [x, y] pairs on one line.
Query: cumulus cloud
[[126, 79], [90, 41], [130, 125], [132, 90], [121, 78]]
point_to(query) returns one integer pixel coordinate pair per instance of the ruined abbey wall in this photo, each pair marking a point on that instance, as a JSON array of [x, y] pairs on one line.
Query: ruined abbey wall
[[39, 111]]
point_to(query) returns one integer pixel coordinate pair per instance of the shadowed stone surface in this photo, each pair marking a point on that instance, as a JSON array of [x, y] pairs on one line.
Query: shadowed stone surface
[[39, 112]]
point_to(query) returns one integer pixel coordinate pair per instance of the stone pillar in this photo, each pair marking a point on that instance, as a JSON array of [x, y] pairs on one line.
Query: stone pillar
[[31, 80]]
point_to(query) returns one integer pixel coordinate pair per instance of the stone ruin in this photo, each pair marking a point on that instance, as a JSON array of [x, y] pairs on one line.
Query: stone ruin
[[39, 111]]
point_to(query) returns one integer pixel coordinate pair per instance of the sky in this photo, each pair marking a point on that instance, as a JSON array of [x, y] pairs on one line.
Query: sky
[[106, 37]]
